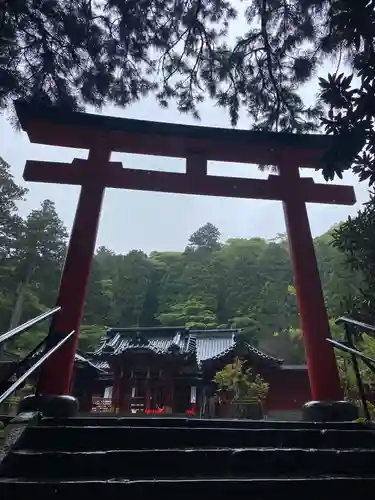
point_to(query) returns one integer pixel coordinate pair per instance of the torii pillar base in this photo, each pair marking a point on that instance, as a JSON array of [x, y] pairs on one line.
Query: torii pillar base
[[55, 406], [329, 411]]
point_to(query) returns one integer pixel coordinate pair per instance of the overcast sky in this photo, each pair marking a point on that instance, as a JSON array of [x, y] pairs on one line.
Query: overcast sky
[[157, 221]]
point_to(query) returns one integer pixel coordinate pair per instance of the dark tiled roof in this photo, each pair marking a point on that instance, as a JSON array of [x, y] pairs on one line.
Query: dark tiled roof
[[101, 365], [158, 340], [210, 345], [81, 361], [260, 354], [217, 343], [203, 345]]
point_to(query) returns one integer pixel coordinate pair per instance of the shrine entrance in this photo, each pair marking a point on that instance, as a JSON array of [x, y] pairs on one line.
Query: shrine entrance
[[101, 135]]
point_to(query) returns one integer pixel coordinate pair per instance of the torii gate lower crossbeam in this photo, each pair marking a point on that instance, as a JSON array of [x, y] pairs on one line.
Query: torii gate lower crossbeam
[[97, 173]]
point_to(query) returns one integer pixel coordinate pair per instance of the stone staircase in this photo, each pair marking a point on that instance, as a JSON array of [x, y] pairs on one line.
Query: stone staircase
[[144, 458]]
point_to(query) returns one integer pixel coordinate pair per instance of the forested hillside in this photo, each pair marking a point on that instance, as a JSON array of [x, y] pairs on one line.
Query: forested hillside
[[239, 282]]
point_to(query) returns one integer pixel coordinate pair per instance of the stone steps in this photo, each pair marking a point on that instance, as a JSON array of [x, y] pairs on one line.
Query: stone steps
[[325, 488], [169, 422], [191, 463], [93, 438], [145, 457]]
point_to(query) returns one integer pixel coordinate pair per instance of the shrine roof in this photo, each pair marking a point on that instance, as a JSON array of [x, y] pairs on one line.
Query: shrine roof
[[101, 365], [215, 344], [202, 345], [157, 340], [81, 362], [61, 127]]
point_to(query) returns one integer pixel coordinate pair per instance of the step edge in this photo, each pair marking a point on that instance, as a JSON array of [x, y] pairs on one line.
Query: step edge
[[265, 449], [57, 481]]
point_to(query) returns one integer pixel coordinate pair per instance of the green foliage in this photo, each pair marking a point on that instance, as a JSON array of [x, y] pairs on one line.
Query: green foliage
[[251, 328], [340, 283], [89, 337], [370, 408], [31, 255], [239, 381], [27, 342], [355, 239], [10, 225], [286, 344], [190, 313], [206, 238], [36, 260], [365, 344], [241, 283]]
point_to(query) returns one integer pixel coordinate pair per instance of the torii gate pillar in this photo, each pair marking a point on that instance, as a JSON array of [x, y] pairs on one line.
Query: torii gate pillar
[[101, 135], [320, 358], [56, 379]]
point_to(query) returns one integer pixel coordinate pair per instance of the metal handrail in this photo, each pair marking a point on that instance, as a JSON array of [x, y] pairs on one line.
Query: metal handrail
[[351, 325], [344, 347], [15, 370], [36, 365], [353, 322], [28, 324]]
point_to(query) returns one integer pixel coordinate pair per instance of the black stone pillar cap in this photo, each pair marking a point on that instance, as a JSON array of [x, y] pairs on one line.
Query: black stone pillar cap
[[50, 405], [329, 411]]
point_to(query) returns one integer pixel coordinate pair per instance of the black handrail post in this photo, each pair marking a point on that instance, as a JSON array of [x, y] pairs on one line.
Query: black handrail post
[[349, 334]]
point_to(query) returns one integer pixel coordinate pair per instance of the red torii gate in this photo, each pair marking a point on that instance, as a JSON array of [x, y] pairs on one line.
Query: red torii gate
[[103, 134]]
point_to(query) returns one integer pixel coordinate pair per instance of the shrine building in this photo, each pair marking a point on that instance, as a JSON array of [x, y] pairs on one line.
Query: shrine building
[[170, 370]]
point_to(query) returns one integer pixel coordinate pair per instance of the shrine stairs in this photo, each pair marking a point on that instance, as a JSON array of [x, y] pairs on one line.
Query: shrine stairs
[[155, 457]]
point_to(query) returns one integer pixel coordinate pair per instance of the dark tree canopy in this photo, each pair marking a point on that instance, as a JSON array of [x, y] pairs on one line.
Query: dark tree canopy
[[351, 101], [78, 52]]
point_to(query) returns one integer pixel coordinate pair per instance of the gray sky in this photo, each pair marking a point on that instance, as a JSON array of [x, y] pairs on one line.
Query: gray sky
[[157, 221]]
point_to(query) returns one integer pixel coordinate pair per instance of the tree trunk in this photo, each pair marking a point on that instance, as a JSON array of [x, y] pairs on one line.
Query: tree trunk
[[20, 295], [18, 306]]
